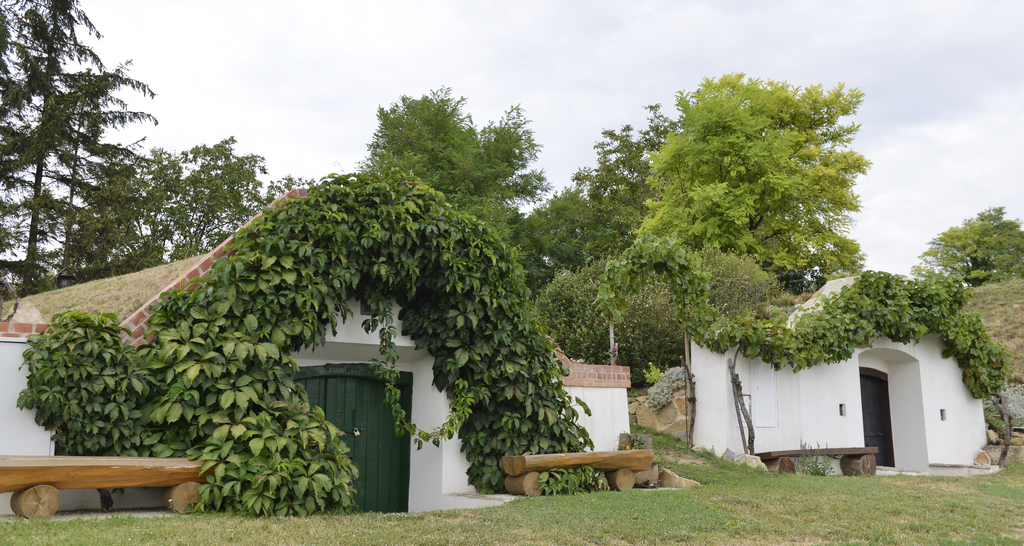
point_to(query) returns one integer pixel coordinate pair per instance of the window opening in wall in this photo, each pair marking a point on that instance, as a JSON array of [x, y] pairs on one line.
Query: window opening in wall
[[942, 413], [842, 410]]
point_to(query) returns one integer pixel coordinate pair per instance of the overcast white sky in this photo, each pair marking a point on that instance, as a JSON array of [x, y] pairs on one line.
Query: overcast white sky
[[300, 82]]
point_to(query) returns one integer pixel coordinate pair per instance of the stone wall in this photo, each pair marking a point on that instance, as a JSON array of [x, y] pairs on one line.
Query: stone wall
[[671, 419]]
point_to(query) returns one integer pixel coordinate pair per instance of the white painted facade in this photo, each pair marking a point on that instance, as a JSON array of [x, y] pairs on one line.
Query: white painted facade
[[935, 419]]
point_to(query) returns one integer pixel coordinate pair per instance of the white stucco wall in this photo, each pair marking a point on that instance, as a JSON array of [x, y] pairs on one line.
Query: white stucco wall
[[19, 433], [789, 408], [609, 414]]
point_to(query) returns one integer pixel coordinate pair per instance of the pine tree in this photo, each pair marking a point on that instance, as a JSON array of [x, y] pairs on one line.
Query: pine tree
[[57, 104]]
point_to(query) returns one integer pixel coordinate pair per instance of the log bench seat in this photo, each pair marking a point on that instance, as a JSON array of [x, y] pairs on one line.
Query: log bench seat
[[855, 461], [36, 480], [524, 470]]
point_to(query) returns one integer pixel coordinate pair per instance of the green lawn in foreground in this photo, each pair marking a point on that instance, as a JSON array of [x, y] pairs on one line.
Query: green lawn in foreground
[[736, 505]]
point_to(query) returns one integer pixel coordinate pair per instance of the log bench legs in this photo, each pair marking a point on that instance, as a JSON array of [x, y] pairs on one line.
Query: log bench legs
[[39, 502], [852, 465], [43, 501], [527, 484]]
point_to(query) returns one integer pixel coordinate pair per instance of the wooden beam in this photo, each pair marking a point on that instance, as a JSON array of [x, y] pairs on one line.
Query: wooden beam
[[833, 451], [636, 460], [19, 473]]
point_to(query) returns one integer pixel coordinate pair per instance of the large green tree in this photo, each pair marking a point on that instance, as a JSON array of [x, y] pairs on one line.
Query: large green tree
[[57, 101], [485, 172], [762, 168], [598, 216], [988, 247], [199, 197]]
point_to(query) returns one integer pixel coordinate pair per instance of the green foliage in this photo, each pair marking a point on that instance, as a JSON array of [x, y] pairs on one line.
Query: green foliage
[[652, 374], [636, 441], [224, 346], [569, 481], [599, 215], [762, 168], [648, 336], [197, 198], [738, 286], [87, 387], [986, 248], [484, 172], [878, 305]]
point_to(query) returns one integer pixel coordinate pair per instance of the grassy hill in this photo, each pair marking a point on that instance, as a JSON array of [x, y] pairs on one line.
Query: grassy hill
[[1001, 306]]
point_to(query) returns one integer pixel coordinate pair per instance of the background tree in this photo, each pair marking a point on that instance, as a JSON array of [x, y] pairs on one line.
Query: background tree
[[485, 172], [986, 248], [649, 334], [762, 168], [58, 101], [200, 197], [599, 215]]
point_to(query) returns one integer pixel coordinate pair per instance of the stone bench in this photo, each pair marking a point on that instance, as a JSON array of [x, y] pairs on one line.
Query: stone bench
[[855, 461], [36, 481], [524, 470]]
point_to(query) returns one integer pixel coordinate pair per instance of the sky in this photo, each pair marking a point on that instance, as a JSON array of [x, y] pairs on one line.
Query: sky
[[300, 83]]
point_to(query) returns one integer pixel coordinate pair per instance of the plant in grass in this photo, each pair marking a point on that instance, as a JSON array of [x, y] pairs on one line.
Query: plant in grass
[[1014, 396], [87, 387], [814, 461], [569, 481]]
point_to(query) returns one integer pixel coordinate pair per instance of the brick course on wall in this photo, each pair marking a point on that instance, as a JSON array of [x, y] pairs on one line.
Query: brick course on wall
[[594, 375], [20, 330]]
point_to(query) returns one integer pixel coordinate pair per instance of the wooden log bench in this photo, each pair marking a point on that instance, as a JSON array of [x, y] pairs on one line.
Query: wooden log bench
[[855, 461], [524, 470], [36, 481]]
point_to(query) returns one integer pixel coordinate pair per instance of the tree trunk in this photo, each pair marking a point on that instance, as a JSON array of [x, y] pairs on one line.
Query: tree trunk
[[620, 480]]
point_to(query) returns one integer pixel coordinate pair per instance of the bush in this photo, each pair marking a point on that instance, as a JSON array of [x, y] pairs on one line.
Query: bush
[[87, 387], [661, 393], [649, 335]]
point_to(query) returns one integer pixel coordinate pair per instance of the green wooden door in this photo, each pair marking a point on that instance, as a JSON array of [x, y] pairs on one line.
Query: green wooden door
[[351, 397]]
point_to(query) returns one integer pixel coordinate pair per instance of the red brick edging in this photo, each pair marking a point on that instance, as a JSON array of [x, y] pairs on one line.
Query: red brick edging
[[21, 330]]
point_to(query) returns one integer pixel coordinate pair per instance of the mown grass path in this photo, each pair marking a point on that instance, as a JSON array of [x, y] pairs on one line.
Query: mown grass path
[[736, 505]]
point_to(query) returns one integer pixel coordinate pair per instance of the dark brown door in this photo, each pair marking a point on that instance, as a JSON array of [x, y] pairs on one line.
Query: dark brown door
[[874, 399]]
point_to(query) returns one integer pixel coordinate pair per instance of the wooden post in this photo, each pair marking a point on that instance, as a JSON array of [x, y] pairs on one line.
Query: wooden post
[[525, 484], [620, 480], [179, 497], [858, 465], [640, 459], [39, 502]]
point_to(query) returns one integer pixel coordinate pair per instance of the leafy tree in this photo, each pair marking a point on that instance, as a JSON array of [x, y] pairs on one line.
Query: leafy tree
[[599, 216], [58, 101], [762, 168], [485, 172], [200, 197], [648, 333], [986, 248]]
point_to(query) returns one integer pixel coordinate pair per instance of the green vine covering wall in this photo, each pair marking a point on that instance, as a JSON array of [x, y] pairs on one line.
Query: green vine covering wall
[[225, 346], [878, 305]]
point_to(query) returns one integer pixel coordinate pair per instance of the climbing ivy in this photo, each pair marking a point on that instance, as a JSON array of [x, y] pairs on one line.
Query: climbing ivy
[[878, 305], [224, 344]]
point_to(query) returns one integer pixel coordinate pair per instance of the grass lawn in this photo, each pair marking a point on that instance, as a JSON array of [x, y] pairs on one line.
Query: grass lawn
[[736, 505]]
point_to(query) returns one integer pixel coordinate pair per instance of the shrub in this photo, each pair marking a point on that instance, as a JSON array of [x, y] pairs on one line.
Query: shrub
[[661, 393], [87, 387], [814, 461]]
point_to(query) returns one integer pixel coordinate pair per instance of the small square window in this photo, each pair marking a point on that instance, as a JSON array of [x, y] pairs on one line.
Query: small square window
[[364, 308], [942, 413], [842, 410]]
